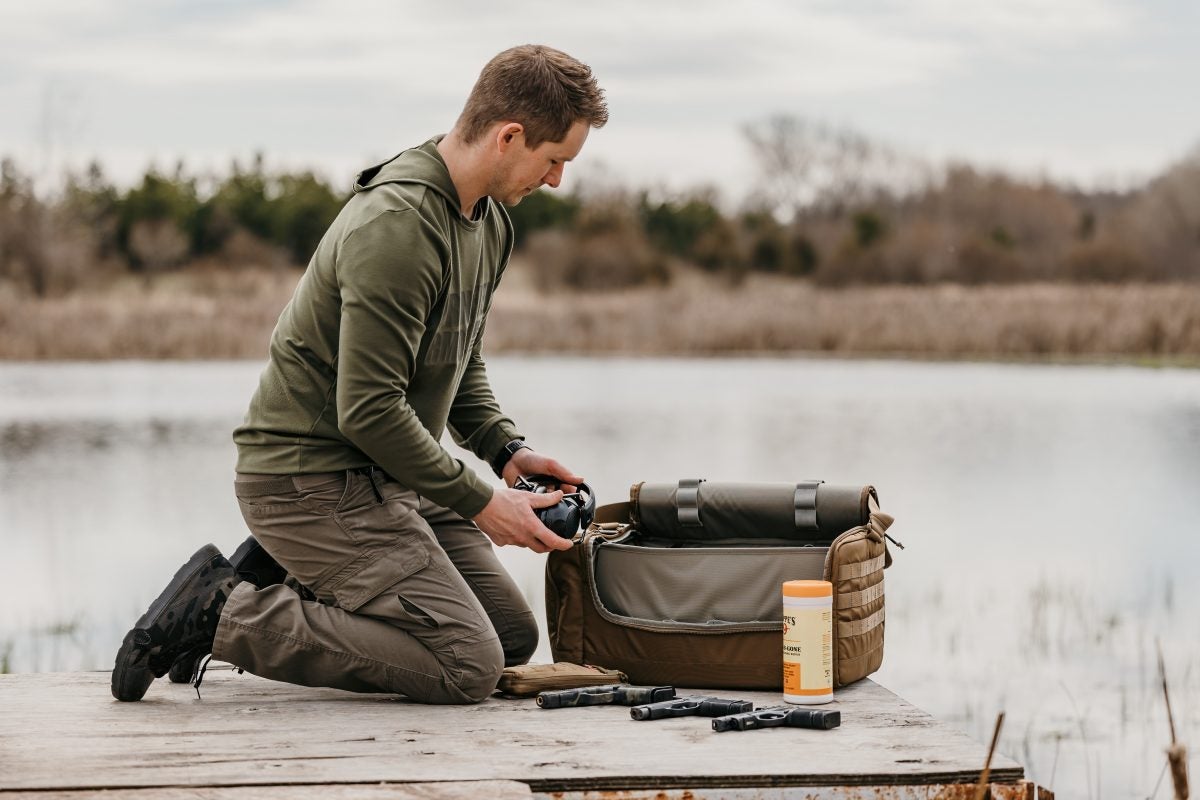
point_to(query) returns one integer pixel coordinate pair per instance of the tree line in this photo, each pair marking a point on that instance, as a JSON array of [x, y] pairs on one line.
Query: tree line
[[830, 206], [166, 221]]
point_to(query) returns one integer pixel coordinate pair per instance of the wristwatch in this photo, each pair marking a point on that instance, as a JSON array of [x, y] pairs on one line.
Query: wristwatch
[[506, 453]]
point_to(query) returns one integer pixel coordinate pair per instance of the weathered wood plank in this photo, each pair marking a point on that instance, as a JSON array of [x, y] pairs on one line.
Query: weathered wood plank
[[450, 790], [63, 731], [1022, 790]]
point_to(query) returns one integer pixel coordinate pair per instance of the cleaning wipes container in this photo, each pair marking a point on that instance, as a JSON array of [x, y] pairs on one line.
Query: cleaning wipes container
[[808, 642]]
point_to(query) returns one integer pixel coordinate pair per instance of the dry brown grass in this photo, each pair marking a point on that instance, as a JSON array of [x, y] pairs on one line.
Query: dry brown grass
[[199, 313], [701, 316], [215, 313]]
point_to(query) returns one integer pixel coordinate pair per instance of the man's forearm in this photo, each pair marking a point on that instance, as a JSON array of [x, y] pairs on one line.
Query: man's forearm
[[476, 421], [390, 433]]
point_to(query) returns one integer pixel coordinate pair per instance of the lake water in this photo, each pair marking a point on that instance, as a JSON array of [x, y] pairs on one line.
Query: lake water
[[1049, 514]]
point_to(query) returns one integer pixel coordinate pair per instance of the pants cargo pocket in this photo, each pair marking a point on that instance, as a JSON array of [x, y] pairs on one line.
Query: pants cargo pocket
[[375, 571], [450, 623]]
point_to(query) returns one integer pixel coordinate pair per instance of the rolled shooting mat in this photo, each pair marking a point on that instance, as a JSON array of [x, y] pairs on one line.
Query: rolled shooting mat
[[811, 511]]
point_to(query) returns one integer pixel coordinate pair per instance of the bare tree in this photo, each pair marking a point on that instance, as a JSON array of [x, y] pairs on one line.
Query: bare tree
[[787, 154], [805, 163], [1166, 218]]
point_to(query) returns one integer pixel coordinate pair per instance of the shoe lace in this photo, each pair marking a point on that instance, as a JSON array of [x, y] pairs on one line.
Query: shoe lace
[[201, 668], [198, 675]]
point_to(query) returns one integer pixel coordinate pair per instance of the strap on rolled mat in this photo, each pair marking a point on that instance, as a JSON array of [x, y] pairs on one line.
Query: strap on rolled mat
[[806, 505], [687, 502]]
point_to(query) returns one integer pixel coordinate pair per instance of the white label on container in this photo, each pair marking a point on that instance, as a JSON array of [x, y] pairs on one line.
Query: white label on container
[[807, 651]]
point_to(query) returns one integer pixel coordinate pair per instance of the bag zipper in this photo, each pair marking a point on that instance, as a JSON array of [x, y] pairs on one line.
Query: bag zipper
[[674, 551]]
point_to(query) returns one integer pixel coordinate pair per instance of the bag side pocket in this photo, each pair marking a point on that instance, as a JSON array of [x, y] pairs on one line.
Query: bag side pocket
[[854, 566]]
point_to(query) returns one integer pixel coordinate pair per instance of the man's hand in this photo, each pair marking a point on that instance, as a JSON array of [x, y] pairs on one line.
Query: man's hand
[[508, 518], [527, 462]]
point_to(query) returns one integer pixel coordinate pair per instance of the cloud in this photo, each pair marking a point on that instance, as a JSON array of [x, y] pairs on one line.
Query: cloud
[[1021, 23], [812, 48], [309, 76]]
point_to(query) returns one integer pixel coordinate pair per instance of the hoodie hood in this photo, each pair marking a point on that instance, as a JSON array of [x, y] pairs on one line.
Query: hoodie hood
[[421, 165]]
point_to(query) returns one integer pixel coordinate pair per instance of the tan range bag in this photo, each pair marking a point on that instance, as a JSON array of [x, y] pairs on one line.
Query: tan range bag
[[682, 584]]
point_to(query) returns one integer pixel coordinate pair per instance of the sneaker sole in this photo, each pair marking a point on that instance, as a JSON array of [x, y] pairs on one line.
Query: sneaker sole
[[130, 683]]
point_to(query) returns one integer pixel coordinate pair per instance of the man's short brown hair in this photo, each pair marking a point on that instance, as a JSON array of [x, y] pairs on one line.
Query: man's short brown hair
[[543, 89]]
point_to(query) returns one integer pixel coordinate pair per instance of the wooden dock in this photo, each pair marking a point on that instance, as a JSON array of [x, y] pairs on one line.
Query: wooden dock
[[63, 736]]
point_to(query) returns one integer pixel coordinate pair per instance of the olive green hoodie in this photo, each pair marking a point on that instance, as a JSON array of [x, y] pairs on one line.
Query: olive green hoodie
[[378, 350]]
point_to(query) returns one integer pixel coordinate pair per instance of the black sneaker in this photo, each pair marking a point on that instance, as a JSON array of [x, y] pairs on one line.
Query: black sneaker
[[255, 564], [182, 619], [252, 563]]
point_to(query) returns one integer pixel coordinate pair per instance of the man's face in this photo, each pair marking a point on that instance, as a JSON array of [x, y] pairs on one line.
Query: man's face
[[523, 170]]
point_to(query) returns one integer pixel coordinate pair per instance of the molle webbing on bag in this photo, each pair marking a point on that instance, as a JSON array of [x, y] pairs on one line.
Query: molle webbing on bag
[[693, 509], [860, 626], [855, 566], [861, 568], [860, 598]]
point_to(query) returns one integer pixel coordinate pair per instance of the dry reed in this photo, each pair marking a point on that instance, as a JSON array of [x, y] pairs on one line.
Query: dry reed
[[214, 313], [197, 314], [981, 790], [1176, 752], [704, 316]]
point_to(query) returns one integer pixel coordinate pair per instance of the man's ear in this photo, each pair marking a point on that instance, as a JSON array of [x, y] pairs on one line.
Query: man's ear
[[508, 135]]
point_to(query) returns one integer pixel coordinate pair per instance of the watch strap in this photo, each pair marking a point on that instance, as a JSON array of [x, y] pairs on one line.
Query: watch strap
[[506, 453]]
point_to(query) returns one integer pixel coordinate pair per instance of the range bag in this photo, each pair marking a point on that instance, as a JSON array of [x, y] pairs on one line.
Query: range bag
[[682, 584]]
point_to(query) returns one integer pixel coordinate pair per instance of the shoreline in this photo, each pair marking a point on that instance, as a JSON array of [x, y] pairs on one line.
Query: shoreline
[[1132, 362], [222, 314]]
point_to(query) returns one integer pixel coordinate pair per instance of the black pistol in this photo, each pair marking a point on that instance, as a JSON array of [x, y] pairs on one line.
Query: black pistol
[[617, 694], [691, 707], [779, 717]]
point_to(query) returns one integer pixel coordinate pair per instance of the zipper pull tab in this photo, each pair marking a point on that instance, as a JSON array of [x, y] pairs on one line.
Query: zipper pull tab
[[893, 541]]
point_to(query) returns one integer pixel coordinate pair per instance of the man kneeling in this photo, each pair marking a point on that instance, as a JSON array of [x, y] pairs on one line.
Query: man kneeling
[[341, 477]]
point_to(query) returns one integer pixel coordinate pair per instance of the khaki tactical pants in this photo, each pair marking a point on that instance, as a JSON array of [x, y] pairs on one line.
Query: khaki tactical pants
[[411, 598]]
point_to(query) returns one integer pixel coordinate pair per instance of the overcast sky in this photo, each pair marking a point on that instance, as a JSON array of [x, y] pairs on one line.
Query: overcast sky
[[1093, 91]]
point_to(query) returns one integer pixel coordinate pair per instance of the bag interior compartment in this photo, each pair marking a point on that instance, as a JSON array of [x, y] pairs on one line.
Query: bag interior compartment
[[651, 580]]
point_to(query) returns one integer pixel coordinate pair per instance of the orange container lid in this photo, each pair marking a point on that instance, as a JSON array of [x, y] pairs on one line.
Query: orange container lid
[[807, 589]]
